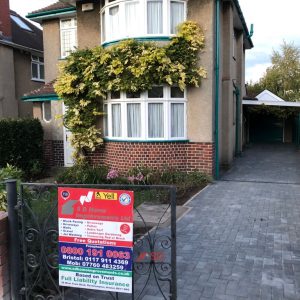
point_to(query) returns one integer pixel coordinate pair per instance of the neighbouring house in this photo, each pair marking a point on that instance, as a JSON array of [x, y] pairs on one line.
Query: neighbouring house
[[269, 118], [198, 129], [21, 62]]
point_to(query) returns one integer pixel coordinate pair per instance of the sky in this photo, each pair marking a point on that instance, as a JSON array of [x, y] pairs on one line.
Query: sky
[[274, 21]]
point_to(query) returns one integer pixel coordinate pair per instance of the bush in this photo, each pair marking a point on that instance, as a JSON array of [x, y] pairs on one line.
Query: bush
[[185, 182], [83, 173], [21, 144], [9, 172]]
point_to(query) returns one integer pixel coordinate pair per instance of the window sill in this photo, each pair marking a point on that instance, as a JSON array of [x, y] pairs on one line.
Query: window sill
[[38, 80], [146, 141], [145, 38]]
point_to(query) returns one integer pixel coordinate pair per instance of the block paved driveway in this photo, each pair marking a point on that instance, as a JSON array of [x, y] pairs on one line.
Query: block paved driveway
[[241, 238]]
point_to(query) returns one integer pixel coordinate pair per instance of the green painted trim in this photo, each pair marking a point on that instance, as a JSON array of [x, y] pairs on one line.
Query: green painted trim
[[217, 79], [51, 12], [146, 141], [140, 39], [245, 27], [37, 98]]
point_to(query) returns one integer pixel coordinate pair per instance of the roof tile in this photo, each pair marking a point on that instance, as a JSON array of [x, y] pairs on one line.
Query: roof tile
[[54, 6], [46, 89]]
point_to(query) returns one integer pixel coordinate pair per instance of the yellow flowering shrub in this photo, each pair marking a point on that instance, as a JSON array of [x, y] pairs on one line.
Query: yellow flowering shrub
[[88, 75]]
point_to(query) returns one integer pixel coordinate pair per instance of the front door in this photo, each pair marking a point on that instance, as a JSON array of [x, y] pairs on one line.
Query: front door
[[68, 149]]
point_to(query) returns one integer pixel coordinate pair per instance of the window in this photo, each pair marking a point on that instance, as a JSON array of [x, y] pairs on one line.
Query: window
[[176, 15], [131, 13], [158, 114], [20, 23], [155, 16], [141, 18], [37, 68], [68, 36], [46, 108], [114, 24]]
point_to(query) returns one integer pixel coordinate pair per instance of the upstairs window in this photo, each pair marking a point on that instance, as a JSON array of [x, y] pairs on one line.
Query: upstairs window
[[155, 16], [68, 36], [176, 15], [20, 23], [122, 19], [37, 68]]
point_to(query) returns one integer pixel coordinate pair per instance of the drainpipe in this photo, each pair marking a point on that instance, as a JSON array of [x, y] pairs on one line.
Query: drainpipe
[[237, 120], [217, 81]]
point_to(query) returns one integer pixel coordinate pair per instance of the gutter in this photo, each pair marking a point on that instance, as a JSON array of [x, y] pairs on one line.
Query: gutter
[[245, 28], [51, 12], [39, 98], [20, 47]]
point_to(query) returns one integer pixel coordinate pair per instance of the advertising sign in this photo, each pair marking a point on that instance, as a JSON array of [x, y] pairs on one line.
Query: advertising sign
[[95, 239]]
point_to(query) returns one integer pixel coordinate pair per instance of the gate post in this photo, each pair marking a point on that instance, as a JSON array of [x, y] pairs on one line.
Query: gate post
[[14, 243], [173, 247]]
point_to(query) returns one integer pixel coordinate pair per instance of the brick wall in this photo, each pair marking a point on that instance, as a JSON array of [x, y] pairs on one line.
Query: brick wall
[[53, 153], [4, 270], [183, 156]]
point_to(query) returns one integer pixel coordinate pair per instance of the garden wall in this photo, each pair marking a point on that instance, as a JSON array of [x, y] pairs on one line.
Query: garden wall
[[4, 267]]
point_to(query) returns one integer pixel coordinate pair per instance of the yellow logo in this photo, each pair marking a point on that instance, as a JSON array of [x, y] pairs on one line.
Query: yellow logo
[[106, 196]]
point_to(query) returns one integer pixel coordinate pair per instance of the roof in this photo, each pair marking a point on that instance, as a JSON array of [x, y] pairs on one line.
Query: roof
[[25, 35], [268, 96], [55, 6], [52, 11], [20, 36], [272, 103], [44, 93]]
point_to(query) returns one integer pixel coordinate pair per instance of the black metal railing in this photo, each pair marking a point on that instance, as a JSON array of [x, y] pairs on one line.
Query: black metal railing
[[154, 259]]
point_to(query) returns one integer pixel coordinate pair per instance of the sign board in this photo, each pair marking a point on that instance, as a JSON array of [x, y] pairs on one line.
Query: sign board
[[95, 239]]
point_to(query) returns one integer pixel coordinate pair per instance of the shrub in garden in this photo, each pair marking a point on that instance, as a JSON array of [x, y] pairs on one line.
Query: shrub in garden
[[21, 145], [83, 173], [185, 182], [6, 173]]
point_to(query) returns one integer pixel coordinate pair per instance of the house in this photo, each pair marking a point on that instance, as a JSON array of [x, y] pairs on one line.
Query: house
[[198, 129], [269, 118], [21, 62]]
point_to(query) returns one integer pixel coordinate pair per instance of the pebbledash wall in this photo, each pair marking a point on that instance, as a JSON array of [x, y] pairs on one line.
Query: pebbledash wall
[[183, 156], [4, 270]]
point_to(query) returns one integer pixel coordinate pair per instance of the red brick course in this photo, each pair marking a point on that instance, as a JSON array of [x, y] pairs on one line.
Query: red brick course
[[183, 156], [4, 270], [53, 153]]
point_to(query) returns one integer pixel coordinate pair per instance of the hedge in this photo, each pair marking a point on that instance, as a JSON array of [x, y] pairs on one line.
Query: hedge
[[21, 143]]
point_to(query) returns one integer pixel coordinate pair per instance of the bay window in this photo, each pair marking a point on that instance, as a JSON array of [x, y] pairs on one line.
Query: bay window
[[157, 114], [121, 19], [154, 16], [176, 15]]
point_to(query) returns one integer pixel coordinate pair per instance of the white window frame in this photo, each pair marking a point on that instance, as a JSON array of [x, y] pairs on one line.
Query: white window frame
[[73, 30], [38, 61], [144, 101], [43, 111], [141, 20]]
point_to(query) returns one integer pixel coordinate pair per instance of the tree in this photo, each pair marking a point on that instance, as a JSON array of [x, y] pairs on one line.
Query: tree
[[283, 76]]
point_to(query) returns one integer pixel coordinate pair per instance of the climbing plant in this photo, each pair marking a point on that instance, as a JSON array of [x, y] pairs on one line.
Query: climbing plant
[[277, 111], [88, 75]]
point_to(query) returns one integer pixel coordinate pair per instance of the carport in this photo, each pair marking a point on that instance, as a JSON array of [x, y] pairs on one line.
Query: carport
[[270, 119]]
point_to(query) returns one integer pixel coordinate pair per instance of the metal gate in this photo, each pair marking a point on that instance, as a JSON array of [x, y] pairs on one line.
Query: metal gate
[[36, 264]]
